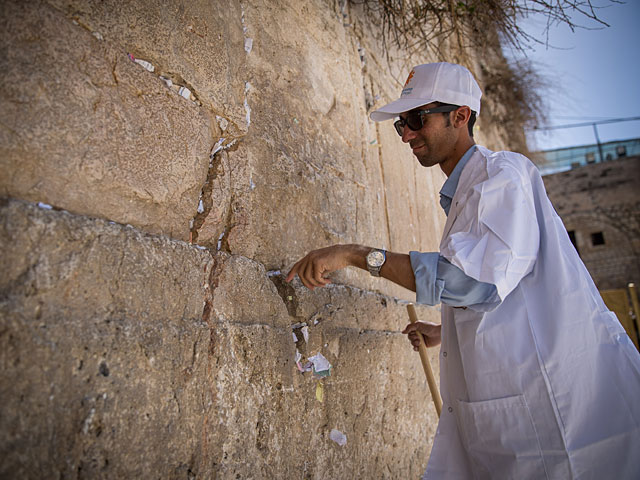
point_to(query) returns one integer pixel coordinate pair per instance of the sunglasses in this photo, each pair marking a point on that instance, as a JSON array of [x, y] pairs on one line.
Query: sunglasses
[[414, 121]]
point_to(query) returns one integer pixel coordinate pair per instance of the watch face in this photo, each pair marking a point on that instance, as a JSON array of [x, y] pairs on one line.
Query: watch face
[[375, 258]]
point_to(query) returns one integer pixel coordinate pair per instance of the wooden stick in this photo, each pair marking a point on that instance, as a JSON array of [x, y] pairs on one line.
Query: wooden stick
[[426, 366], [636, 305]]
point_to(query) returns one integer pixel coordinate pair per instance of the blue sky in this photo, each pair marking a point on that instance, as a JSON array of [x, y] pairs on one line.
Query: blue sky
[[593, 74]]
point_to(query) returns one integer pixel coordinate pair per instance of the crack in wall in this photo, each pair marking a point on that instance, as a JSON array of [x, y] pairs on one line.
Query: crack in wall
[[287, 293], [210, 286], [205, 201], [174, 81], [248, 41], [248, 46], [300, 325], [223, 239], [113, 73]]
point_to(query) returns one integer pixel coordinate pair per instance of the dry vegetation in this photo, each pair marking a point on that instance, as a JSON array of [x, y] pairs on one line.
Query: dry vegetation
[[424, 24], [514, 89]]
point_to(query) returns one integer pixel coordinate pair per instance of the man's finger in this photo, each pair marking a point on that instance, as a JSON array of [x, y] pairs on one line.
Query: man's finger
[[301, 268], [309, 274], [414, 338], [290, 275], [303, 274], [314, 268], [319, 276], [412, 327], [294, 270]]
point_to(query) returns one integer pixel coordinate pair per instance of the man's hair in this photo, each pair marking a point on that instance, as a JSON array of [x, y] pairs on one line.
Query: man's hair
[[472, 118]]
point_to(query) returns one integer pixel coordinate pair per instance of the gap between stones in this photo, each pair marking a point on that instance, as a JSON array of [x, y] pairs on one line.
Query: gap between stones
[[206, 198]]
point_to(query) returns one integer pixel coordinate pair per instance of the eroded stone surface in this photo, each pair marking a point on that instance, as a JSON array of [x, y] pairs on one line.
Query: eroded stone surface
[[86, 129], [306, 167], [130, 355], [104, 347], [198, 44]]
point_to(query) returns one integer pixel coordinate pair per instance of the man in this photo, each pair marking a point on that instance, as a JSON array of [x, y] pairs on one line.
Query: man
[[538, 378]]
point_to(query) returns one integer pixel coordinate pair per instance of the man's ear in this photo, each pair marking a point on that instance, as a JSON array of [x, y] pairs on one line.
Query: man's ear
[[461, 117]]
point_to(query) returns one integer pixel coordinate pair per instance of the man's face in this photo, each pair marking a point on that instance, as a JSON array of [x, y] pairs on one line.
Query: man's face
[[435, 141]]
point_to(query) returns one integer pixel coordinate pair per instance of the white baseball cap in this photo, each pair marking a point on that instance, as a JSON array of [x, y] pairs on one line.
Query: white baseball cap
[[434, 82]]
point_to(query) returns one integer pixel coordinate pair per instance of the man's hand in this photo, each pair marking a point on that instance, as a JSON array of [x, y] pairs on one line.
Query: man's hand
[[430, 332], [316, 266]]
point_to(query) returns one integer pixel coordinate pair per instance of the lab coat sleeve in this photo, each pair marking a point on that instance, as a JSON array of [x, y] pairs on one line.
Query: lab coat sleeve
[[437, 280], [495, 236]]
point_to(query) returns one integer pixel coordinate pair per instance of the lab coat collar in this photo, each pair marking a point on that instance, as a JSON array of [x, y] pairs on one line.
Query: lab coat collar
[[462, 185], [449, 188]]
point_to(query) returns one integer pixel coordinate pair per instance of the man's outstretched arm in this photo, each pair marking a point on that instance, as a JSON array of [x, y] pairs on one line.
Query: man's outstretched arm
[[317, 265], [314, 269], [439, 280]]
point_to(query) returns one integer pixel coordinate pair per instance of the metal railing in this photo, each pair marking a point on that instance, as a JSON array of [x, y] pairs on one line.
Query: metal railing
[[562, 159]]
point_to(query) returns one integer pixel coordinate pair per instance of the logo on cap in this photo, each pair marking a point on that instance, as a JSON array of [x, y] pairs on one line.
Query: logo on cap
[[409, 78]]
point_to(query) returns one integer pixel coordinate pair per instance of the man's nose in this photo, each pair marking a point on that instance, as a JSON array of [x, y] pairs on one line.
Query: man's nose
[[408, 134]]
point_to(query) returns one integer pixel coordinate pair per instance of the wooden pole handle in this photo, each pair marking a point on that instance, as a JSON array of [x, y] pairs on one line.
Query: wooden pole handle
[[426, 366]]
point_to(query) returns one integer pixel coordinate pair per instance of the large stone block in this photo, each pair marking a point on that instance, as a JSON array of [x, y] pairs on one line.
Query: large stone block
[[313, 168], [276, 424], [197, 44], [130, 355], [103, 348], [86, 129], [305, 166], [299, 167]]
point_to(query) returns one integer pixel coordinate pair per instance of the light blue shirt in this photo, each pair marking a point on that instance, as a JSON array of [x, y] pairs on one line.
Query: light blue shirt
[[437, 280], [449, 188]]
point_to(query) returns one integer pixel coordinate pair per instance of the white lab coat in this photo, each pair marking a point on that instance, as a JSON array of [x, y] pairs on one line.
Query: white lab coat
[[544, 383]]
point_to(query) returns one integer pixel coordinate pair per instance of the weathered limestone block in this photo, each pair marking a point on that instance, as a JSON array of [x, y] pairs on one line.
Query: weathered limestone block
[[103, 348], [313, 169], [307, 169], [198, 44], [296, 169], [241, 294], [127, 355], [214, 217], [86, 129], [274, 426]]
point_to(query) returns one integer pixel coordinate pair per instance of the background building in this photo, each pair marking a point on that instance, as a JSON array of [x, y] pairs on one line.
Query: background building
[[563, 159], [599, 203]]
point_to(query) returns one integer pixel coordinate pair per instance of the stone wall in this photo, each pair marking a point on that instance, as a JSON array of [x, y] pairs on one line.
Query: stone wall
[[112, 367], [145, 330], [600, 204]]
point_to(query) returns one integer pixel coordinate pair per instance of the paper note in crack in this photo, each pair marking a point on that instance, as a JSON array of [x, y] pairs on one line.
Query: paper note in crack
[[321, 366], [338, 437]]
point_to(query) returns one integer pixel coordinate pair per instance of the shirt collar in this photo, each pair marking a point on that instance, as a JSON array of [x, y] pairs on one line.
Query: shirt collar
[[449, 188]]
